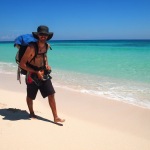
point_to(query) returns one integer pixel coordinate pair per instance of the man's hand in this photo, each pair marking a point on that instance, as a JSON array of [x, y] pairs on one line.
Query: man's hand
[[48, 67], [40, 74]]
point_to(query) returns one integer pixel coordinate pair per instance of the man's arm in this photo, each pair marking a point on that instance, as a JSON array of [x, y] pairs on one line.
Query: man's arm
[[28, 55]]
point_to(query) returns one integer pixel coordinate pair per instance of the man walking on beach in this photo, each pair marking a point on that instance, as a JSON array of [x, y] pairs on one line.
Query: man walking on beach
[[38, 70]]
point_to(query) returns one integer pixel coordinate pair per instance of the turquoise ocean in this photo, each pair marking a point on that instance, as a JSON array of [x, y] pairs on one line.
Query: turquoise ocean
[[117, 69]]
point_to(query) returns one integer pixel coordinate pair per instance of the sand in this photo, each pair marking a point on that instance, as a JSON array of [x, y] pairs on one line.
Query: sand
[[92, 123]]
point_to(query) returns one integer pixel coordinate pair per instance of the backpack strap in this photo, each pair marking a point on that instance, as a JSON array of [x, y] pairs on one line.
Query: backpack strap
[[36, 53], [36, 50], [44, 61]]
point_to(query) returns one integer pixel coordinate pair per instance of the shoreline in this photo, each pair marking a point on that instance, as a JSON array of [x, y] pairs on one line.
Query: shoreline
[[82, 91], [91, 122]]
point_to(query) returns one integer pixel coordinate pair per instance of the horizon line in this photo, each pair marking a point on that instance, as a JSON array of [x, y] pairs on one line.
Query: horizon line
[[83, 39]]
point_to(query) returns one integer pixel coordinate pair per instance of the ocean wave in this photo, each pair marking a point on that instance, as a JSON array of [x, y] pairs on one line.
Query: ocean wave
[[8, 67], [122, 90]]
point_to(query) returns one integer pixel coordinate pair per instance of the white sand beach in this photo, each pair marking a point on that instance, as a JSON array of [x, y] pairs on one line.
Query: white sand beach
[[92, 123]]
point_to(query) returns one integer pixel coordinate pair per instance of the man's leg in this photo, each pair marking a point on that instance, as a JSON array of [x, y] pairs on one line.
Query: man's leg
[[52, 104], [30, 106]]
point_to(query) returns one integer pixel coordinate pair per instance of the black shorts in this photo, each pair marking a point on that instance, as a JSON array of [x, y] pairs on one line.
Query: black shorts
[[46, 88]]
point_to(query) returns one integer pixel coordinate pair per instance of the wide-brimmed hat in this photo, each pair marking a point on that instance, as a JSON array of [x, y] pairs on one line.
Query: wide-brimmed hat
[[44, 30]]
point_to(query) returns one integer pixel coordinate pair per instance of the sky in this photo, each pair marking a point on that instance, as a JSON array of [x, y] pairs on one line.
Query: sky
[[76, 19]]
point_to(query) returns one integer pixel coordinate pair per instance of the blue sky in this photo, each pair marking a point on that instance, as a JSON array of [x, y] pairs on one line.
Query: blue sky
[[76, 19]]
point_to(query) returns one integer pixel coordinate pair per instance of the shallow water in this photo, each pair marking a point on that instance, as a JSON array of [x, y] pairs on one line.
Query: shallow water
[[118, 69]]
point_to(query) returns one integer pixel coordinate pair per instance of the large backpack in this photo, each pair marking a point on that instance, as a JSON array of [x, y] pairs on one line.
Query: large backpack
[[22, 42]]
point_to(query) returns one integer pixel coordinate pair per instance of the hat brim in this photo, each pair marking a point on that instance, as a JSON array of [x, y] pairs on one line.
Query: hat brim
[[35, 35]]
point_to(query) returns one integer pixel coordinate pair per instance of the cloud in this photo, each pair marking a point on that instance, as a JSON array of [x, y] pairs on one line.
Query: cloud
[[7, 37], [10, 35]]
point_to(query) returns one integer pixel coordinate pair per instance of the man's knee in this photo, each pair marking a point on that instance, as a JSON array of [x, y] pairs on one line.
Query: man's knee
[[28, 98], [51, 97]]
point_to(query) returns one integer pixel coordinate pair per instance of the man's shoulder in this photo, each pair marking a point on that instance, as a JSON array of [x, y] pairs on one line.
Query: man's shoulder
[[30, 49], [33, 47]]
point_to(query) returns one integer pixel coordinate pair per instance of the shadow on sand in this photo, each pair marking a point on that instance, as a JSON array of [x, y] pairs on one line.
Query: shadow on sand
[[14, 114]]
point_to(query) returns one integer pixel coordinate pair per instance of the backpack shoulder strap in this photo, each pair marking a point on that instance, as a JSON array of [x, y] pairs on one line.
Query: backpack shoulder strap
[[36, 50], [47, 46]]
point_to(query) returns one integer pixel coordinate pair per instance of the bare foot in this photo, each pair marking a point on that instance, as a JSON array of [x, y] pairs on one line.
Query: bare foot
[[33, 116], [59, 120]]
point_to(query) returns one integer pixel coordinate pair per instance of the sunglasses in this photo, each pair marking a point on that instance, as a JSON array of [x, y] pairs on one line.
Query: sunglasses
[[43, 34]]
